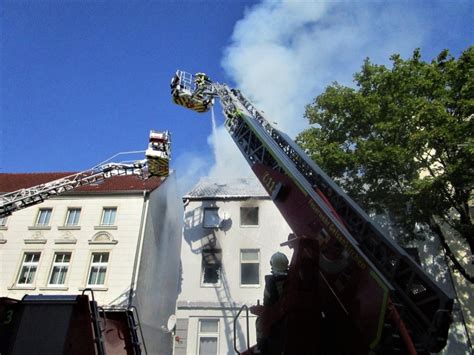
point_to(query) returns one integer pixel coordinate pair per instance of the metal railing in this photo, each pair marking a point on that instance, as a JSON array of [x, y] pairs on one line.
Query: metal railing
[[235, 327]]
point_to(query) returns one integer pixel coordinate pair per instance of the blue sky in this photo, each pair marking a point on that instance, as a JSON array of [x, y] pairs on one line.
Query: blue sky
[[81, 81]]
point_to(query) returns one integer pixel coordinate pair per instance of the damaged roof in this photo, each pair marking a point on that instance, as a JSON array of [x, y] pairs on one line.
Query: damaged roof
[[234, 188]]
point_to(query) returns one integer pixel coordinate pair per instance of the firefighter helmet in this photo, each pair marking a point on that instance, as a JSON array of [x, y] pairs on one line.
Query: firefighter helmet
[[279, 263]]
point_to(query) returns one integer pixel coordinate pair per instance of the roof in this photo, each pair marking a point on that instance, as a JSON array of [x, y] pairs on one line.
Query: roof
[[16, 181], [234, 188]]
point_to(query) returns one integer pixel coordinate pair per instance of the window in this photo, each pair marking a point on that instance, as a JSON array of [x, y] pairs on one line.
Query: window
[[44, 215], [211, 266], [72, 218], [3, 221], [108, 216], [98, 269], [250, 267], [211, 218], [28, 268], [208, 336], [249, 216], [60, 268]]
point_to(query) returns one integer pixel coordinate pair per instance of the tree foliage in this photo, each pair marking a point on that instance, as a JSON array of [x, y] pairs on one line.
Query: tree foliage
[[401, 141]]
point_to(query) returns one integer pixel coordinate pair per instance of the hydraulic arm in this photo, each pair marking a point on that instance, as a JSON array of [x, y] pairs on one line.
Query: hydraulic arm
[[365, 277]]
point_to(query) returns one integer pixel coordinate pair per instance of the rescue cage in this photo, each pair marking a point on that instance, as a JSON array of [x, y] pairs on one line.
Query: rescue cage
[[186, 80], [186, 93]]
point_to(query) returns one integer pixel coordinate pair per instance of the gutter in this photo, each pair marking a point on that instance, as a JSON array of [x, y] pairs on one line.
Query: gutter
[[226, 198]]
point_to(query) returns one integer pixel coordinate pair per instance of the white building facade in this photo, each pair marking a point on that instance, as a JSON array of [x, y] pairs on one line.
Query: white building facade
[[230, 232], [114, 238]]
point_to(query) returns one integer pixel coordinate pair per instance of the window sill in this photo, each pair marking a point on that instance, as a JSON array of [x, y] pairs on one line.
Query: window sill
[[65, 241], [248, 226], [3, 241], [102, 242], [94, 288], [66, 228], [35, 241], [103, 228], [19, 287], [250, 286], [211, 285], [3, 228], [54, 288], [39, 228]]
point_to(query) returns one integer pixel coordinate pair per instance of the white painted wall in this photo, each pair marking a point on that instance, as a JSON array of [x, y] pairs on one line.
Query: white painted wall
[[225, 339], [20, 232], [196, 301], [156, 280]]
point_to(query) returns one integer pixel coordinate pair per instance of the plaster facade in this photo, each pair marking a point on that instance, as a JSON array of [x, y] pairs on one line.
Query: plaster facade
[[221, 301], [128, 270]]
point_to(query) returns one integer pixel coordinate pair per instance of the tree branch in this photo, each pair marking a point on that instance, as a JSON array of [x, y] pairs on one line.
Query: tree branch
[[445, 192], [457, 265]]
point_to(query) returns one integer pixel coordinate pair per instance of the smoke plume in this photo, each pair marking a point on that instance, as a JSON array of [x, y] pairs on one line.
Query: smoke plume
[[283, 54]]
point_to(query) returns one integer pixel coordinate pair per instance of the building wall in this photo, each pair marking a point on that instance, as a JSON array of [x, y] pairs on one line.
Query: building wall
[[222, 302], [434, 261], [150, 221], [21, 235], [189, 338]]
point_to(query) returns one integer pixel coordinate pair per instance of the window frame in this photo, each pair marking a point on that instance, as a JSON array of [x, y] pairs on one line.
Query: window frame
[[214, 226], [102, 224], [209, 284], [250, 225], [38, 216], [29, 264], [68, 213], [249, 262], [92, 263], [201, 334], [62, 264]]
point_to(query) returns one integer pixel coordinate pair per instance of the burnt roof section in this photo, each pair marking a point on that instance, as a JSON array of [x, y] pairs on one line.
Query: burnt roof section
[[235, 189], [16, 181]]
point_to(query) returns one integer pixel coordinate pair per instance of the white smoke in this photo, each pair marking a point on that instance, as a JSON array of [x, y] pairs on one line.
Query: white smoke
[[229, 162], [283, 54]]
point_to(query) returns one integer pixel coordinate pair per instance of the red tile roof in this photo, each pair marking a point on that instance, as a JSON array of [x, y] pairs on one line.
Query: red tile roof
[[14, 181]]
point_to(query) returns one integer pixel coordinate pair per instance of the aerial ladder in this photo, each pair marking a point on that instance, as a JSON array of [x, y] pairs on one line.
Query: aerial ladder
[[348, 281], [155, 163]]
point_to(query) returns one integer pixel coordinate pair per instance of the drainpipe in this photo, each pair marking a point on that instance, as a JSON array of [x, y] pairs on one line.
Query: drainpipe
[[185, 203], [138, 251]]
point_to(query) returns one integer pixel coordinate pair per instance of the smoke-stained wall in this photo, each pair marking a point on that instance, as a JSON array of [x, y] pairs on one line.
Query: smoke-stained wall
[[158, 277]]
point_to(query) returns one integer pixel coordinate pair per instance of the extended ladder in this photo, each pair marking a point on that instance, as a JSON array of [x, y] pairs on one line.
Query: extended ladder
[[363, 269]]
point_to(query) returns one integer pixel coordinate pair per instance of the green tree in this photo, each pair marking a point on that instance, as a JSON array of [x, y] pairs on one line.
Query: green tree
[[401, 142]]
